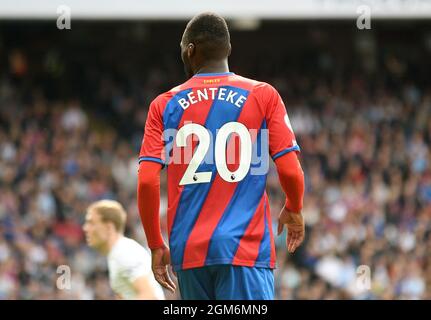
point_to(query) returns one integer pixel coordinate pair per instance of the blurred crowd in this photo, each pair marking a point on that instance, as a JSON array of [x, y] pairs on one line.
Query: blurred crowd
[[365, 153]]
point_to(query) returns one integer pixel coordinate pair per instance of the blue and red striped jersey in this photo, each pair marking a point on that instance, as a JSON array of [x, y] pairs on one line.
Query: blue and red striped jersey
[[215, 133]]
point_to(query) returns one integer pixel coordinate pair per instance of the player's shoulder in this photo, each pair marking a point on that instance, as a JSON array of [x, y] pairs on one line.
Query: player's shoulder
[[256, 86], [132, 244], [261, 90], [128, 249], [163, 98], [248, 81]]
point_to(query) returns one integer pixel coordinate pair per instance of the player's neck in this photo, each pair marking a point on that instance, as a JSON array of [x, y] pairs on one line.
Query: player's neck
[[112, 240], [218, 66]]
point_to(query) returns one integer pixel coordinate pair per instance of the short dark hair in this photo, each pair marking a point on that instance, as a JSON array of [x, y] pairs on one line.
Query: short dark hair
[[210, 31]]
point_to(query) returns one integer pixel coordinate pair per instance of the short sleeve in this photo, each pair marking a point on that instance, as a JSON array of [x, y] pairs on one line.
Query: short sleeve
[[281, 136], [152, 148]]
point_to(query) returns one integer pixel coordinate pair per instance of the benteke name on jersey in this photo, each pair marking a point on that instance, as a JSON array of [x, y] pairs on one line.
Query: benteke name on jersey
[[221, 93]]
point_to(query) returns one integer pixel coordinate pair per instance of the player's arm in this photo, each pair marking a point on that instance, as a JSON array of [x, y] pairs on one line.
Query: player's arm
[[144, 288], [291, 179], [149, 202], [149, 206], [283, 150], [151, 161], [135, 269]]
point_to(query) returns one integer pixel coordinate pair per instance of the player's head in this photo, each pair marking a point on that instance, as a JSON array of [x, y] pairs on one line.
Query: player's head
[[205, 40], [104, 219]]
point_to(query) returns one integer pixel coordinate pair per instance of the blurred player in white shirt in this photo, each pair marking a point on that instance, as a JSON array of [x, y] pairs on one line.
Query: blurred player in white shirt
[[129, 264]]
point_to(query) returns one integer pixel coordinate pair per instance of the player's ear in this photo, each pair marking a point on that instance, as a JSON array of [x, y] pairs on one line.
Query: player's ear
[[191, 49], [229, 50]]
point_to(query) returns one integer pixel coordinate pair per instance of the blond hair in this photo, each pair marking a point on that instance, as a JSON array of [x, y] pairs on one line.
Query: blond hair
[[110, 211]]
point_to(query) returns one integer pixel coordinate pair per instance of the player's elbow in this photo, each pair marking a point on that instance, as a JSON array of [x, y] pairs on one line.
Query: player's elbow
[[148, 176], [293, 176], [289, 169], [145, 181]]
